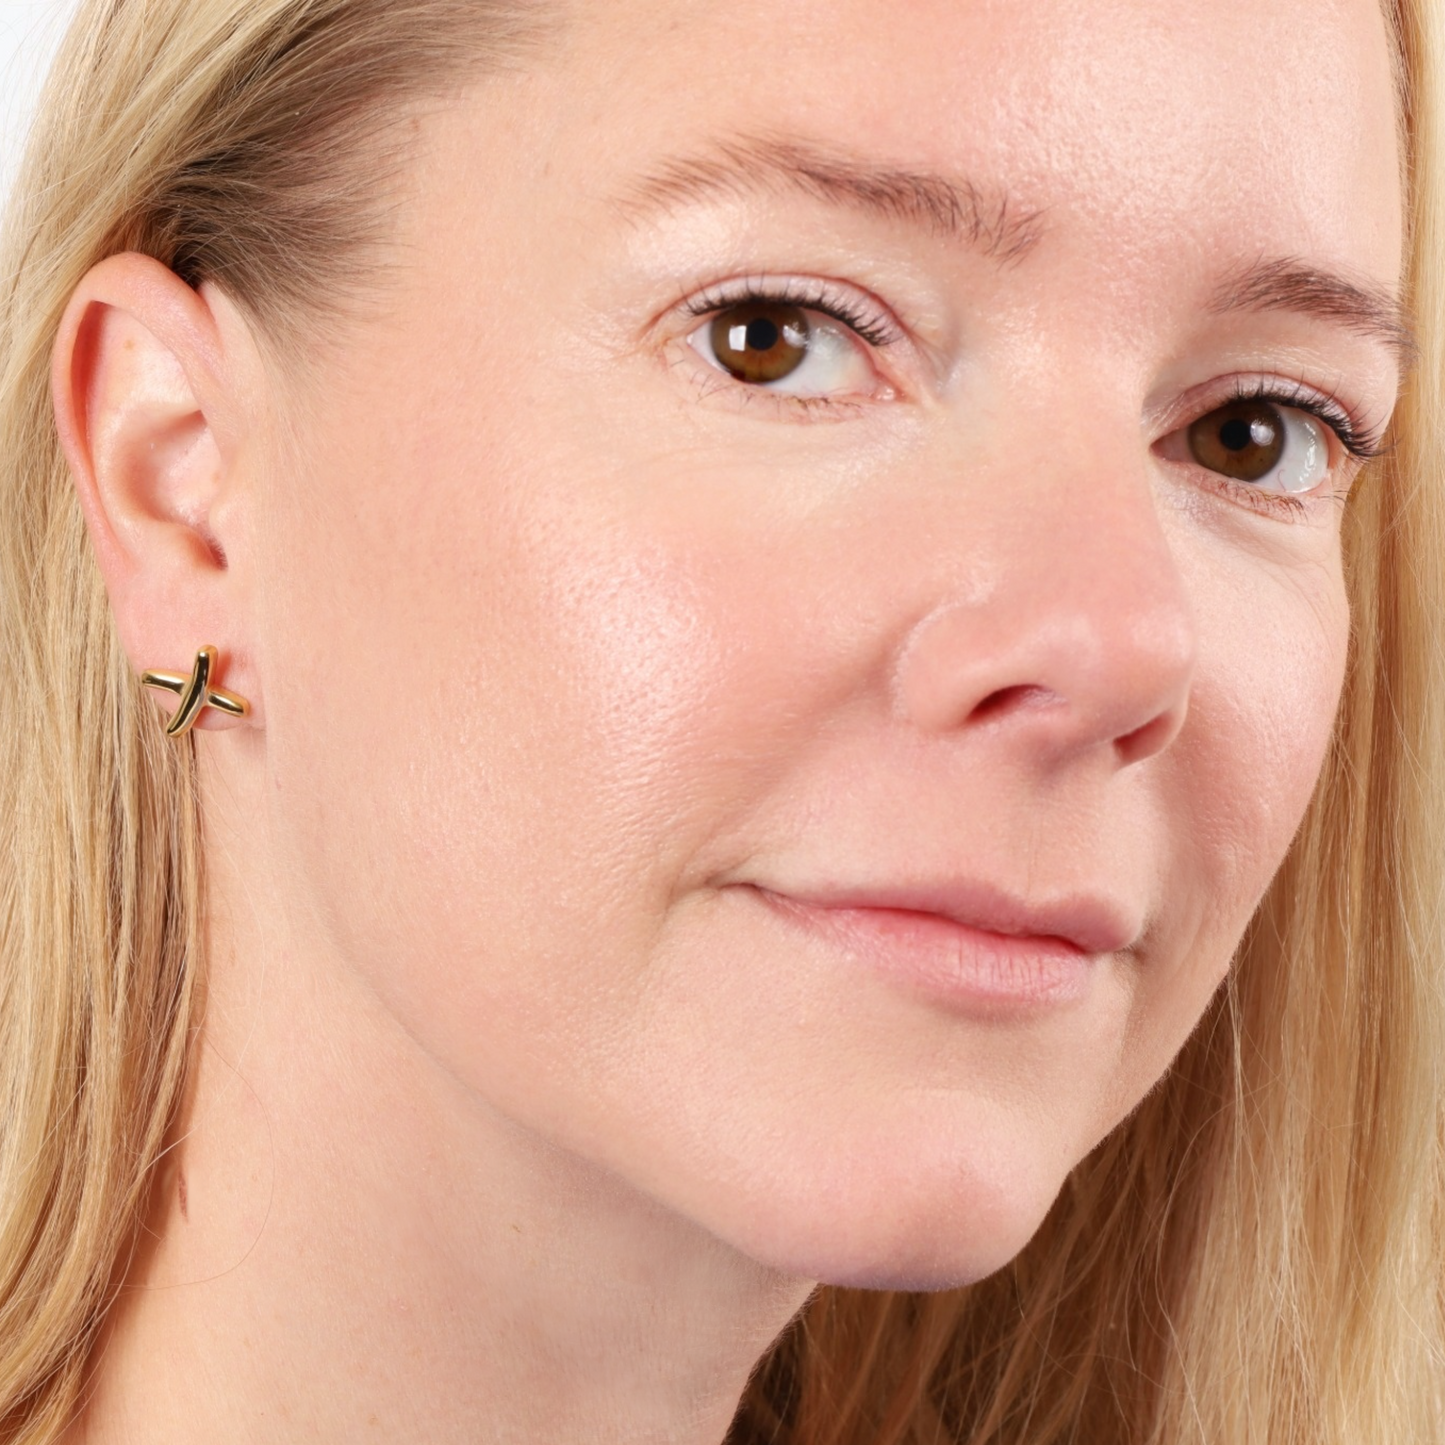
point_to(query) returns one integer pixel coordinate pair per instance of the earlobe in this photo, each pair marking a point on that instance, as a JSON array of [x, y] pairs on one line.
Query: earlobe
[[146, 413]]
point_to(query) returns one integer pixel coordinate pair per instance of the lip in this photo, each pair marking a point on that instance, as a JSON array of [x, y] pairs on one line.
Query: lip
[[1091, 923], [964, 944]]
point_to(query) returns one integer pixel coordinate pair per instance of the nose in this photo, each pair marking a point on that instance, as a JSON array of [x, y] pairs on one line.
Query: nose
[[1077, 635]]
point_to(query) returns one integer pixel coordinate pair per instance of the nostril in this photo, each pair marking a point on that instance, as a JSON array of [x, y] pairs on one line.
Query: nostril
[[1089, 669], [1153, 737], [1131, 746], [1009, 699]]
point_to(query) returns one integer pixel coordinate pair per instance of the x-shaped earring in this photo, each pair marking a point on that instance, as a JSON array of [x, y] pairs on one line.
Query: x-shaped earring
[[196, 693]]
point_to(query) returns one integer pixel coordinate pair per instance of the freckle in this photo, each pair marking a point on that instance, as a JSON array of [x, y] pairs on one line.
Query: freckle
[[184, 1199]]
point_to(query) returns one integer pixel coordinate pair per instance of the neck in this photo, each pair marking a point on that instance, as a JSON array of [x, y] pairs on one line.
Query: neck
[[346, 1245]]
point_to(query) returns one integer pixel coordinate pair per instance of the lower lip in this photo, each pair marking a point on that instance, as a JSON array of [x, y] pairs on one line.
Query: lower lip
[[960, 967]]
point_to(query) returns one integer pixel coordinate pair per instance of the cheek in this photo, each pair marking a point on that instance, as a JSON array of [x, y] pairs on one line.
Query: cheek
[[1262, 713], [1266, 706], [561, 708]]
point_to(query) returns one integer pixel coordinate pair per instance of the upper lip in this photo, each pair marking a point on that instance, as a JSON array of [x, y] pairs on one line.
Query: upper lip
[[1093, 922]]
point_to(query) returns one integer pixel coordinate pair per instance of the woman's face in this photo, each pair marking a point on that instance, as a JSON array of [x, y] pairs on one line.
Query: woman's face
[[794, 641]]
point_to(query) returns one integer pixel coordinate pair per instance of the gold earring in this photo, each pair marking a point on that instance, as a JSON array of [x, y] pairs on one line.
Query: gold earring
[[196, 693]]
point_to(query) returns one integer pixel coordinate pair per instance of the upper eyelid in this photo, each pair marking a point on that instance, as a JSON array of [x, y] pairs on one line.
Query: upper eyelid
[[861, 310], [1346, 423], [1358, 437]]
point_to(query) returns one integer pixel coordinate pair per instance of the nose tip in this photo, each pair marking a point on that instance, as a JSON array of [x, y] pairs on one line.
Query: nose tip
[[1067, 672]]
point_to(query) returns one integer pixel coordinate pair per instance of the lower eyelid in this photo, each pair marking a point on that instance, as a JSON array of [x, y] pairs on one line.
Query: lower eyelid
[[1272, 503], [1333, 486], [714, 386]]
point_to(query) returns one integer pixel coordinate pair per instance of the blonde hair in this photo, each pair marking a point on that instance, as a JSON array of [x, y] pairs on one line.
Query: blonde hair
[[1254, 1256]]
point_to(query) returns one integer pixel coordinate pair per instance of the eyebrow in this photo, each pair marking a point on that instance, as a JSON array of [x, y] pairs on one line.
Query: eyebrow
[[979, 217], [1287, 283]]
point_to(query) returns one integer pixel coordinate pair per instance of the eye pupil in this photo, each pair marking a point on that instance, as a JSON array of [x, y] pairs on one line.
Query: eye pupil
[[762, 334], [1243, 440], [1236, 435], [760, 341]]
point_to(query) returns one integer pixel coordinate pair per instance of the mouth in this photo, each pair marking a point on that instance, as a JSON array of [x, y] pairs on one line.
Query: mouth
[[965, 946]]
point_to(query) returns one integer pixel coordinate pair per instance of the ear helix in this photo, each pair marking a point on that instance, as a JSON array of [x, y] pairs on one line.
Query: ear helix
[[196, 693]]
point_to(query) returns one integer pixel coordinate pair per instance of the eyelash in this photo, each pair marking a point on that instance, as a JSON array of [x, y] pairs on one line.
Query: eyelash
[[1361, 442], [875, 326]]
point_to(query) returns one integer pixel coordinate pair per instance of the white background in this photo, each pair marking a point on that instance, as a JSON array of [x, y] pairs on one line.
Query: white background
[[29, 32]]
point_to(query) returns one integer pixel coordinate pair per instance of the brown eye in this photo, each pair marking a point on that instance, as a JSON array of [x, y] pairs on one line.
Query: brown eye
[[1244, 440], [760, 341]]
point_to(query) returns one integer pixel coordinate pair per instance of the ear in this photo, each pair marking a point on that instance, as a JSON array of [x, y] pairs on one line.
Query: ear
[[153, 385]]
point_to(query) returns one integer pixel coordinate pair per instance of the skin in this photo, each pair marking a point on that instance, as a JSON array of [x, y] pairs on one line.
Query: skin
[[521, 1114]]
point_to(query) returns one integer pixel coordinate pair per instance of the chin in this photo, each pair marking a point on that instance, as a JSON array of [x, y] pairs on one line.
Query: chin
[[895, 1234], [916, 1265]]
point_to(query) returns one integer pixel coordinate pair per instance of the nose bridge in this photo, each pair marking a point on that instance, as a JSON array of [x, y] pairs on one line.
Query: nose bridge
[[1084, 635]]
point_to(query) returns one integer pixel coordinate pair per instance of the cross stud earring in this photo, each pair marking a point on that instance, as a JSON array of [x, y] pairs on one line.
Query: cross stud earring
[[196, 693]]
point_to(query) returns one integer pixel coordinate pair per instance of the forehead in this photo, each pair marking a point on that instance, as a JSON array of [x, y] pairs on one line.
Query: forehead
[[1254, 127]]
